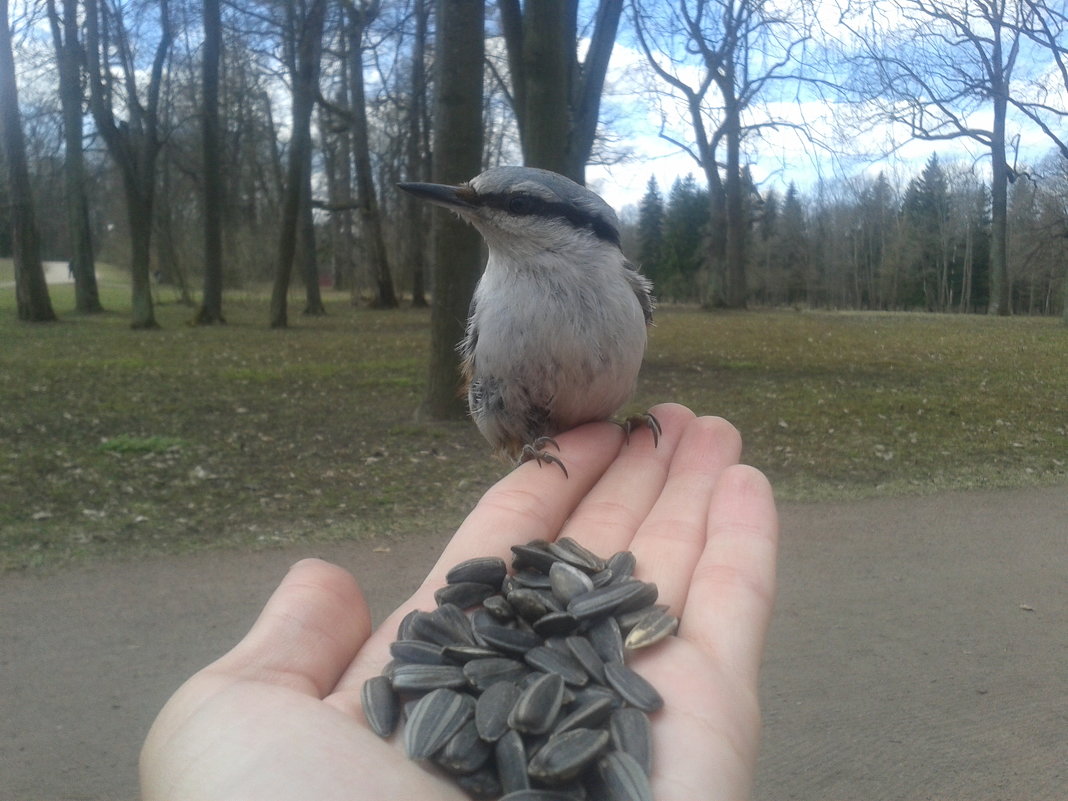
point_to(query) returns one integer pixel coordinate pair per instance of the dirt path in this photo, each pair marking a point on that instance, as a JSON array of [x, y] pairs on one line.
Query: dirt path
[[919, 651]]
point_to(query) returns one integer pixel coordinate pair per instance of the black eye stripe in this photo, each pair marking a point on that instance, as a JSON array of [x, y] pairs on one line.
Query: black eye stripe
[[533, 206]]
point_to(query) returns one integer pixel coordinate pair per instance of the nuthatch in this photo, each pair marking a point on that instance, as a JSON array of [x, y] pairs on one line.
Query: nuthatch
[[557, 326]]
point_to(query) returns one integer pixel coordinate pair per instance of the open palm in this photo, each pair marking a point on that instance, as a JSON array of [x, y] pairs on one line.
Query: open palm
[[278, 717]]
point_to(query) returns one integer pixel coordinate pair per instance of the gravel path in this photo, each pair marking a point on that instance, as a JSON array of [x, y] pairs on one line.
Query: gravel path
[[919, 651]]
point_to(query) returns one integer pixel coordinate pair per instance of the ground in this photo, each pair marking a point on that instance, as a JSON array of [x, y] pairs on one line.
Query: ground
[[918, 650]]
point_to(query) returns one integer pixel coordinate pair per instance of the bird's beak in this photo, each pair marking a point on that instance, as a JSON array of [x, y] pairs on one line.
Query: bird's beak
[[456, 198]]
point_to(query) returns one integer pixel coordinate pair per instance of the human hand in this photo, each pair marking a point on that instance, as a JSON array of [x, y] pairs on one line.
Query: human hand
[[278, 717]]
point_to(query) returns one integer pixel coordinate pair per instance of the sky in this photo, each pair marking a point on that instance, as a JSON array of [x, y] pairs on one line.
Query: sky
[[781, 156]]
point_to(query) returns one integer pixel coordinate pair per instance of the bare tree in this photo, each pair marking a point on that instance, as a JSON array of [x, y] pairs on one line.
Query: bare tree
[[934, 67], [359, 15], [739, 48], [69, 63], [116, 80], [31, 291], [303, 42], [456, 248], [210, 310], [556, 98]]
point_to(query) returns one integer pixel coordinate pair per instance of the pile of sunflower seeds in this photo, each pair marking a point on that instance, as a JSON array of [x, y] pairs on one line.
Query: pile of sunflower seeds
[[516, 684]]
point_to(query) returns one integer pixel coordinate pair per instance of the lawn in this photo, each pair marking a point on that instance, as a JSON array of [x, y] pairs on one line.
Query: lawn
[[120, 442]]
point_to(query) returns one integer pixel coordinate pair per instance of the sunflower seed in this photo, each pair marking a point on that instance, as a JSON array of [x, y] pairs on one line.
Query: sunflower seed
[[651, 628], [621, 564], [465, 653], [499, 607], [564, 756], [531, 604], [482, 569], [642, 598], [482, 784], [492, 709], [627, 620], [549, 660], [484, 673], [511, 758], [405, 626], [536, 708], [528, 557], [511, 641], [571, 552], [586, 715], [533, 579], [635, 690], [587, 656], [567, 581], [380, 705], [464, 594], [623, 778], [632, 734], [604, 600], [441, 627], [465, 752], [556, 624], [434, 719], [606, 639], [416, 678], [424, 653]]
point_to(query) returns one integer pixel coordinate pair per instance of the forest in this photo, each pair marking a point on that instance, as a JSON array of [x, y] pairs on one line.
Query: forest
[[209, 145]]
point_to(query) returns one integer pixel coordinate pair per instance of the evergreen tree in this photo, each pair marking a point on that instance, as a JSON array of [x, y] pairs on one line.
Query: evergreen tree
[[684, 251], [793, 248], [651, 231]]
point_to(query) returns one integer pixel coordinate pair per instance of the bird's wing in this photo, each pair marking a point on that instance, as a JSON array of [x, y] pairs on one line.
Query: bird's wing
[[466, 347], [643, 290]]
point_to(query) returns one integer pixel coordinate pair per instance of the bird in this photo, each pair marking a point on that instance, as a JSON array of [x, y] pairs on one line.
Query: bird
[[557, 327]]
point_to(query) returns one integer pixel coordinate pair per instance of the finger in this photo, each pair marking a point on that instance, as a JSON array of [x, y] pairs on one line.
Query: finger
[[531, 502], [733, 585], [607, 518], [307, 634], [670, 541]]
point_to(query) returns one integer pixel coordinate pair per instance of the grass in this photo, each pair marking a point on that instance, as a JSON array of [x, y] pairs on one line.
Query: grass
[[120, 442]]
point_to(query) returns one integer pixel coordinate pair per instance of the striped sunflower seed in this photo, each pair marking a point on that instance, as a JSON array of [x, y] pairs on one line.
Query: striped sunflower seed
[[380, 705], [631, 733], [482, 569], [623, 778], [465, 752], [570, 551], [605, 600], [567, 581], [511, 756], [549, 660], [464, 594], [417, 678], [652, 627], [564, 756], [493, 708], [536, 708], [482, 674], [635, 690], [434, 719]]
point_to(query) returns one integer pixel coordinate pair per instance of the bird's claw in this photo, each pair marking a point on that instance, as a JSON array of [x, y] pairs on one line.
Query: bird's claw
[[535, 451], [646, 420]]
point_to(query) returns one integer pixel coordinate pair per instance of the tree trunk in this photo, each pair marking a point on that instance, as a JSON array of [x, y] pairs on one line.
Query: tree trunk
[[556, 100], [31, 290], [1000, 286], [68, 58], [307, 34], [413, 246], [546, 63], [734, 295], [456, 248], [366, 199], [210, 310]]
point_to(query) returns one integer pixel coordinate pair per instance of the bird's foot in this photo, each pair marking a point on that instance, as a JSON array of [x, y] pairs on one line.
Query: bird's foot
[[535, 451], [643, 420]]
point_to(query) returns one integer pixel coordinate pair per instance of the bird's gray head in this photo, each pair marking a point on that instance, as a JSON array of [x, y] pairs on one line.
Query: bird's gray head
[[519, 207]]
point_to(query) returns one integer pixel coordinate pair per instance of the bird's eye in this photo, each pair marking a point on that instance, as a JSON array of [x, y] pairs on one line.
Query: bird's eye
[[521, 204]]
